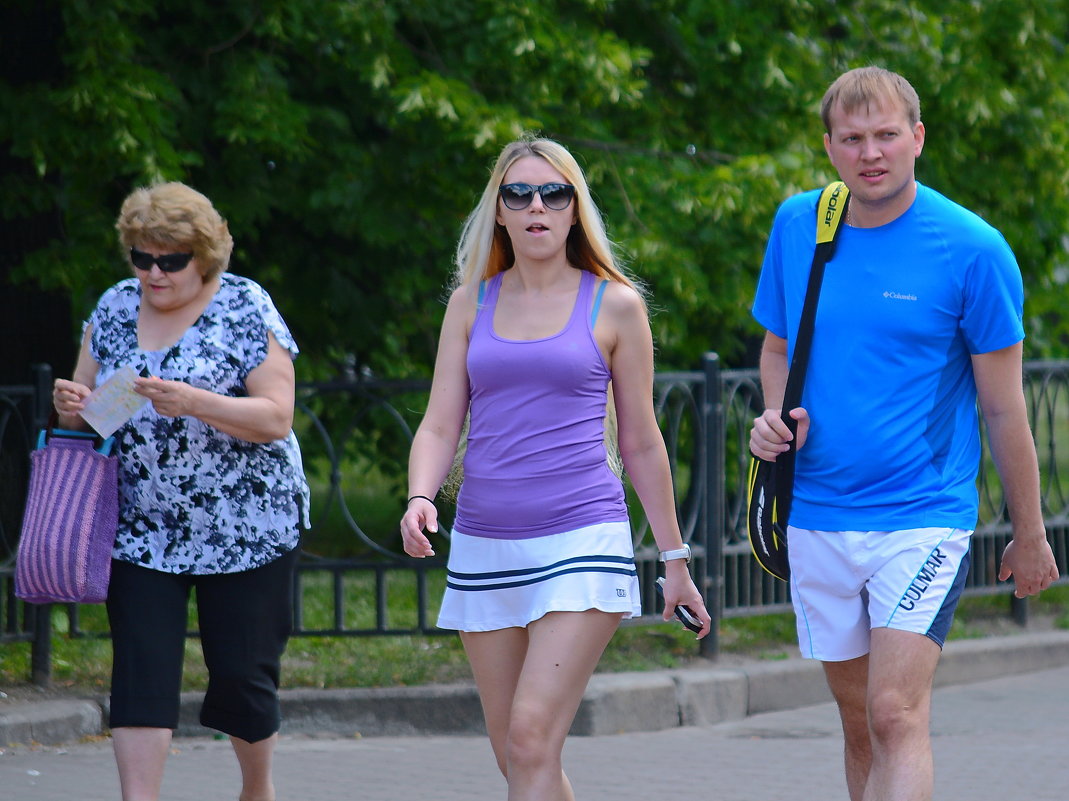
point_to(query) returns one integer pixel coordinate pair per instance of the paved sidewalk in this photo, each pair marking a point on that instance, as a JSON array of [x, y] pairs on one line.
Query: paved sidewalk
[[997, 740], [614, 703]]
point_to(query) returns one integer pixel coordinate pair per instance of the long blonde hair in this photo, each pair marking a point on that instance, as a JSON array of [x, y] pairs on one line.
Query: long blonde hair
[[484, 250]]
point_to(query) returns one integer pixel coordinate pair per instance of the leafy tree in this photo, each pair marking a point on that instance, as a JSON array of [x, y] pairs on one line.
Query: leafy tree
[[345, 141]]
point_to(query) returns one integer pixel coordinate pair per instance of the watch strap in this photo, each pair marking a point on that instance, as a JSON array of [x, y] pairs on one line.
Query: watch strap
[[678, 553]]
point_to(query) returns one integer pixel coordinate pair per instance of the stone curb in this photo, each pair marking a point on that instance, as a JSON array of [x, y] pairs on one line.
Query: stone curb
[[50, 722], [613, 702]]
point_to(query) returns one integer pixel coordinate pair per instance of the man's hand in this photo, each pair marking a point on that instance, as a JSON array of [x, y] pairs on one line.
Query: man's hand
[[1031, 563], [770, 436]]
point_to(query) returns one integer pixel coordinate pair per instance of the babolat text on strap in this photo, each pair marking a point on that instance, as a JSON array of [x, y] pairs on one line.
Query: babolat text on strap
[[830, 212]]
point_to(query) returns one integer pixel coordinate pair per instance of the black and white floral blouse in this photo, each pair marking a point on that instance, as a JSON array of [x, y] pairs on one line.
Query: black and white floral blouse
[[191, 498]]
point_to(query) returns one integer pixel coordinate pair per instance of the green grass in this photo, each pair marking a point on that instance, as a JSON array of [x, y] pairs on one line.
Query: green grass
[[982, 615], [379, 661]]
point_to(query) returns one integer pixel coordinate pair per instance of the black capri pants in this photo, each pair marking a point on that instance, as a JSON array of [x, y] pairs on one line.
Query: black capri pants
[[245, 620]]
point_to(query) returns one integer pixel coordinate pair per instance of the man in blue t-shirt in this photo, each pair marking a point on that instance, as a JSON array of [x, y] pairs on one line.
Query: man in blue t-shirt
[[920, 315]]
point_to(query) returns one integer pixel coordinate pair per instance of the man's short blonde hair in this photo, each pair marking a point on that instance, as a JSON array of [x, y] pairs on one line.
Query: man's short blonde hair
[[867, 86]]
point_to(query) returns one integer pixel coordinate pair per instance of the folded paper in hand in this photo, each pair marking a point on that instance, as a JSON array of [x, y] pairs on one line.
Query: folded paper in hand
[[113, 403]]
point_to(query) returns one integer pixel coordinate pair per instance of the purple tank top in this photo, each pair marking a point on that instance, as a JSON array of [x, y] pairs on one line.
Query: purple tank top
[[535, 463]]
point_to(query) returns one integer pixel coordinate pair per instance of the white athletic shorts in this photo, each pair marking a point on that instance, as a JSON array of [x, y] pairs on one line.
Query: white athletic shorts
[[845, 583], [497, 584]]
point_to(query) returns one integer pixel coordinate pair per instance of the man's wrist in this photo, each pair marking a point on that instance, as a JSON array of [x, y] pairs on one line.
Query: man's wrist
[[1030, 534]]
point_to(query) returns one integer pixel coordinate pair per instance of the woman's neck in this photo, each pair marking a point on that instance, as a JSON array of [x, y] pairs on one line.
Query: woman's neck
[[541, 276]]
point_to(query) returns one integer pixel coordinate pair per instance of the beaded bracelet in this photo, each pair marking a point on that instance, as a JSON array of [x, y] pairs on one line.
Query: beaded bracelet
[[424, 497]]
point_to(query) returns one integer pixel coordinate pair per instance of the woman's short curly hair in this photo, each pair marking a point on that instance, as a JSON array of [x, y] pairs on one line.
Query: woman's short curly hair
[[173, 215]]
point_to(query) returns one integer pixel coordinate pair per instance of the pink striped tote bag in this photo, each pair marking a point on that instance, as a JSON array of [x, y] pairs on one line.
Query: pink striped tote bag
[[69, 524]]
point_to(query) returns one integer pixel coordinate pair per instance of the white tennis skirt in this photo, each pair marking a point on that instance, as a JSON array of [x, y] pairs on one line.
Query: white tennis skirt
[[497, 584]]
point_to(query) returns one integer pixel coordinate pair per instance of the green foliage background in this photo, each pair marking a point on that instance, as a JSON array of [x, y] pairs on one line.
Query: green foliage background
[[345, 141]]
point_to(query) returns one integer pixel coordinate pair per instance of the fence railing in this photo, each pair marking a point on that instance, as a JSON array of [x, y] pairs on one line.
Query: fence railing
[[350, 430], [24, 410]]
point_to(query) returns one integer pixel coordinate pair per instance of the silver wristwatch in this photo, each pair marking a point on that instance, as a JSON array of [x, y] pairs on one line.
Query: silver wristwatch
[[678, 553]]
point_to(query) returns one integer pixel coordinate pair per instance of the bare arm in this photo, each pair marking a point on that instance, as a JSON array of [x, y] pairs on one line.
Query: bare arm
[[774, 369], [265, 415], [68, 397], [435, 444], [625, 334], [1028, 556], [770, 435]]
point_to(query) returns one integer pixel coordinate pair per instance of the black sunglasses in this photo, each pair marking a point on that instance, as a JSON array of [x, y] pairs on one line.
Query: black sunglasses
[[554, 196], [169, 263]]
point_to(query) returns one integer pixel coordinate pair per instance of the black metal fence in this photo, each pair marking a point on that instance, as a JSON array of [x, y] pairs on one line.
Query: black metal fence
[[24, 409], [355, 433]]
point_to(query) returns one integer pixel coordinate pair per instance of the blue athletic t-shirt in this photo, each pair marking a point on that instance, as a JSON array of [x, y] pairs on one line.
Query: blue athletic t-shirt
[[894, 434]]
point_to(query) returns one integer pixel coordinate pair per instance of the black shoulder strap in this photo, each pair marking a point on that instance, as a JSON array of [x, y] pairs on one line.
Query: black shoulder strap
[[831, 209]]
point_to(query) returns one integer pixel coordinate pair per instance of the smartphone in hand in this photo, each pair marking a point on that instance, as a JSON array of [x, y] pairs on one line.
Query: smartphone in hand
[[685, 615]]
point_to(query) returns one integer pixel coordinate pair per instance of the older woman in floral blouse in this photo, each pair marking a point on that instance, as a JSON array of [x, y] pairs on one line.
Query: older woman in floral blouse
[[212, 493]]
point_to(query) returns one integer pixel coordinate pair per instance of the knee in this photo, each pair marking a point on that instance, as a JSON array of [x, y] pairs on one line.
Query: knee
[[234, 685], [854, 716], [895, 718], [502, 764], [240, 678], [856, 730], [529, 744]]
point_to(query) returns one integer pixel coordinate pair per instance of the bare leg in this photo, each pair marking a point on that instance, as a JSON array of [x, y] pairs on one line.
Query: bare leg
[[563, 651], [140, 754], [255, 760], [496, 659], [901, 668], [531, 683], [849, 686]]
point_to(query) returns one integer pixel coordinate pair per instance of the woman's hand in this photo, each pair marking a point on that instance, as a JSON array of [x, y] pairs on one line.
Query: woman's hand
[[680, 590], [420, 515], [169, 398], [68, 397], [264, 414]]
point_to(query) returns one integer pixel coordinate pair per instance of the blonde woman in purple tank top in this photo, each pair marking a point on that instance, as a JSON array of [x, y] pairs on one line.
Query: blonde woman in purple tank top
[[541, 322]]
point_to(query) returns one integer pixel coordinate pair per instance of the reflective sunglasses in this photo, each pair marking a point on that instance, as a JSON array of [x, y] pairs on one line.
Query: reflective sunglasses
[[554, 196], [169, 263]]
